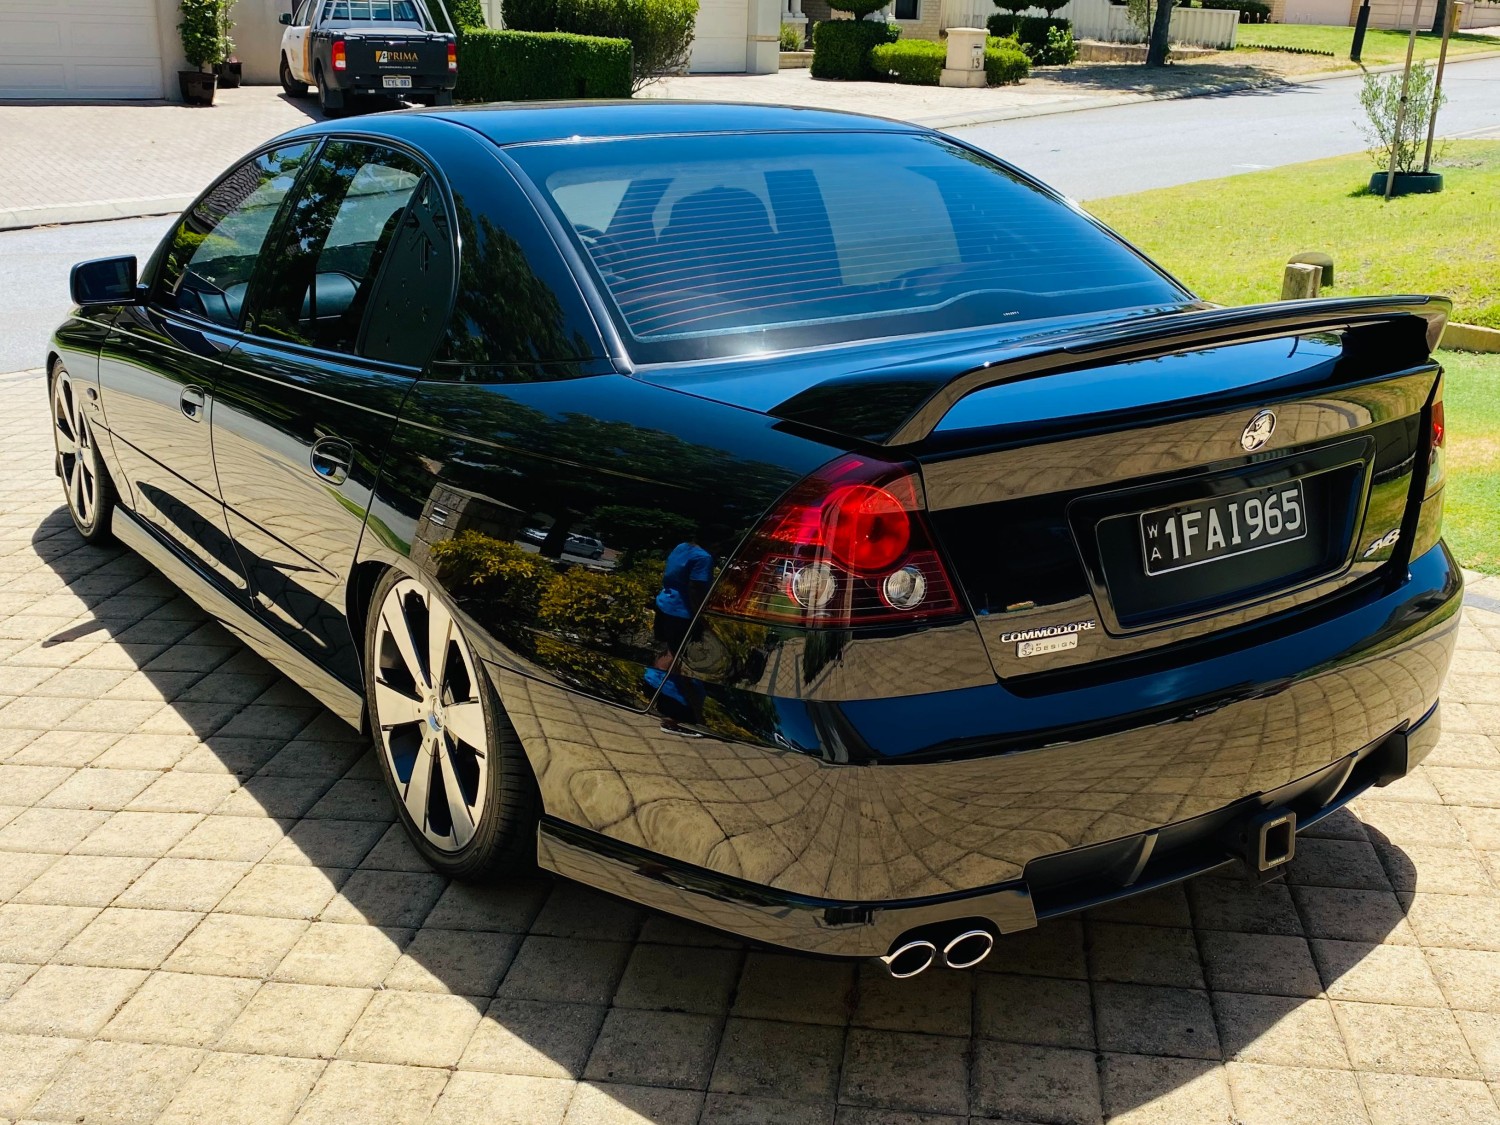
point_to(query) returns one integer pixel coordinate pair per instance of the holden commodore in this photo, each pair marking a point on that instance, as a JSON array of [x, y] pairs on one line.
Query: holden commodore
[[965, 570]]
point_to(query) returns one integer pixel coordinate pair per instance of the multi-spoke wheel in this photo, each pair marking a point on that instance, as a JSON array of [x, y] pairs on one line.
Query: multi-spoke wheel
[[85, 482], [454, 765]]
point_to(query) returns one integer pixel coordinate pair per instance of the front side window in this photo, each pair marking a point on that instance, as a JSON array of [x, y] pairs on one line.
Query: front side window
[[300, 19], [728, 245], [340, 228], [206, 267]]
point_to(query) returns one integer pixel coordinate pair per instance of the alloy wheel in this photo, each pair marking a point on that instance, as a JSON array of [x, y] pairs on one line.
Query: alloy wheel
[[75, 451], [432, 724]]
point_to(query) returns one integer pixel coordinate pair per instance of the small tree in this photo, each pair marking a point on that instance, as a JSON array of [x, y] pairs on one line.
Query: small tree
[[226, 25], [1381, 99], [202, 36]]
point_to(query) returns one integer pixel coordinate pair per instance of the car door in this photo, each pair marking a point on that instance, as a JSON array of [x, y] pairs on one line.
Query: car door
[[159, 366], [336, 334], [296, 39]]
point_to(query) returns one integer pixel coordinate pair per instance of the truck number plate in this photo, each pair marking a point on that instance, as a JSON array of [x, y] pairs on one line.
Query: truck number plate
[[397, 82]]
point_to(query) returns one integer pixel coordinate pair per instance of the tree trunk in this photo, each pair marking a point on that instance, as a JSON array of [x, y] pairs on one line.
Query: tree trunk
[[1438, 16], [1156, 54]]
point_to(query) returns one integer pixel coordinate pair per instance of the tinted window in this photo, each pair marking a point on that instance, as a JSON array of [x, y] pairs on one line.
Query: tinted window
[[213, 251], [409, 303], [339, 230], [726, 245]]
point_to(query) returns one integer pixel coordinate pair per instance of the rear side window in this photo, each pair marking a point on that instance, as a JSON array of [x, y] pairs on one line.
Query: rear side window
[[711, 246], [342, 226]]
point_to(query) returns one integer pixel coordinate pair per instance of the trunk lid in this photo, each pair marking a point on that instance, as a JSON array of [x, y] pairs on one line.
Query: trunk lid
[[1110, 491], [397, 51]]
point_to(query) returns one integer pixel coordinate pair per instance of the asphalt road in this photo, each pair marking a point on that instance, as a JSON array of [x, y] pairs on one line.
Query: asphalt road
[[1089, 154], [1102, 152]]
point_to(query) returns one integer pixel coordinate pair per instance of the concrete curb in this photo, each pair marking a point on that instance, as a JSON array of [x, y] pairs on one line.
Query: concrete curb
[[99, 211], [1471, 338]]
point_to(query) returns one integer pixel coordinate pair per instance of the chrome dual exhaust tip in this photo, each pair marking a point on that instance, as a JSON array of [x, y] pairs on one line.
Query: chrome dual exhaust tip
[[963, 950], [967, 949], [910, 958]]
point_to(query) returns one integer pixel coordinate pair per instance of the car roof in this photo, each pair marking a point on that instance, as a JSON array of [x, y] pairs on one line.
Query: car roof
[[510, 123]]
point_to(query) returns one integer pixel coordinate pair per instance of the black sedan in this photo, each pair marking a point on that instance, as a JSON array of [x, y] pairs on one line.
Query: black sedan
[[964, 569]]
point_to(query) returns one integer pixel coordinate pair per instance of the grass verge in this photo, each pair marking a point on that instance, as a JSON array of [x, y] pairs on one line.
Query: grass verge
[[1381, 47], [1229, 239], [1471, 502]]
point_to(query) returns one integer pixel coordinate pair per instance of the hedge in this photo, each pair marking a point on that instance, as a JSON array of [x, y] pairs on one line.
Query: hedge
[[912, 62], [466, 14], [500, 66], [1004, 63], [660, 31], [841, 48], [1251, 11], [918, 62]]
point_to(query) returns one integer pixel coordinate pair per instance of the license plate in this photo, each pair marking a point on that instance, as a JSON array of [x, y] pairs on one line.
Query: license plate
[[1222, 527], [395, 82]]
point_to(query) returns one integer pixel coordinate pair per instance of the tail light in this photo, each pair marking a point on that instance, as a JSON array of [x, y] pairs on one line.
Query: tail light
[[340, 55], [1438, 432], [847, 546], [452, 56]]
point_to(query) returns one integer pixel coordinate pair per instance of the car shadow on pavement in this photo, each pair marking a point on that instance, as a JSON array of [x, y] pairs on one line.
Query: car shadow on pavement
[[271, 906]]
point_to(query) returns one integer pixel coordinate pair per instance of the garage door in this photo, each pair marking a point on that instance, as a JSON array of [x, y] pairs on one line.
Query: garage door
[[79, 49], [721, 38]]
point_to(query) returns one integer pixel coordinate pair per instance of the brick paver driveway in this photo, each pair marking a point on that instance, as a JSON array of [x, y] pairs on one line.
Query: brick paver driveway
[[207, 914]]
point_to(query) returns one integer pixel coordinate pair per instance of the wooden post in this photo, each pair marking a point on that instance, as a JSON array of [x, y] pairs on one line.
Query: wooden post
[[1301, 280], [1454, 13]]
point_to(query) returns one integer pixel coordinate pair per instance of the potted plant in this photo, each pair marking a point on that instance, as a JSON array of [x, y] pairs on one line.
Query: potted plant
[[230, 69], [1381, 99], [203, 46]]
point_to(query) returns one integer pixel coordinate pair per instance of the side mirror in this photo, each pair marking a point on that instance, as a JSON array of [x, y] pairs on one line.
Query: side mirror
[[104, 281], [286, 18]]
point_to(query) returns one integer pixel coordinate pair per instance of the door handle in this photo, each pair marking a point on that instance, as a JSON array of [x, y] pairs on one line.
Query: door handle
[[192, 401], [330, 459]]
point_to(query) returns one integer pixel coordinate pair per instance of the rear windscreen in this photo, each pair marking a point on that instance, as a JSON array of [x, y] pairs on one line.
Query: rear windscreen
[[727, 245]]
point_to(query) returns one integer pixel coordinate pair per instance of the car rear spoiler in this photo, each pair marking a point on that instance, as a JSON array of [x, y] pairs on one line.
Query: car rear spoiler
[[1138, 339]]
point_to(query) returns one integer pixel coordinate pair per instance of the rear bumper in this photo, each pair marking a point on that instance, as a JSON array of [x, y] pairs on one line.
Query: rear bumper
[[840, 855], [375, 83]]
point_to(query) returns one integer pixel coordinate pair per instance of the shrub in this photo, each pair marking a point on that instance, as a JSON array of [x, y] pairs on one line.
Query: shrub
[[465, 13], [791, 37], [841, 48], [911, 62], [1003, 25], [528, 65], [202, 35], [1035, 35], [531, 15], [859, 9], [1251, 11], [1381, 98], [659, 31], [1005, 66]]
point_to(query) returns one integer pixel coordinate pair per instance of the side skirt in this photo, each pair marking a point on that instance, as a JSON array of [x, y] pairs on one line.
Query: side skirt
[[332, 692]]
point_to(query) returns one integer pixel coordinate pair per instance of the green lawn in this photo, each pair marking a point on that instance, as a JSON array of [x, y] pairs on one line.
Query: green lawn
[[1381, 47], [1471, 405], [1229, 239]]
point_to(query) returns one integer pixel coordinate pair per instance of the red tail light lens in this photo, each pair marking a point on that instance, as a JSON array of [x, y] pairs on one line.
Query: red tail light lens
[[1438, 432], [848, 546], [340, 55], [452, 56]]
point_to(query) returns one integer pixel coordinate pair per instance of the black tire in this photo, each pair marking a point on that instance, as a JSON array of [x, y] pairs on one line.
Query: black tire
[[293, 88], [504, 832], [330, 100], [442, 98], [87, 488]]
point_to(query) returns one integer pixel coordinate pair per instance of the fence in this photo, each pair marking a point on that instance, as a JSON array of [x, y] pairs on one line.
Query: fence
[[1099, 19]]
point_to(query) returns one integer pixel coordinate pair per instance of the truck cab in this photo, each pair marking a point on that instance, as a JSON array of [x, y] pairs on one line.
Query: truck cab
[[346, 48]]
